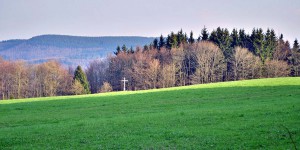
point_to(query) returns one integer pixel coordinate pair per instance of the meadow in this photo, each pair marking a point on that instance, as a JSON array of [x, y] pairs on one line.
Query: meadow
[[249, 114]]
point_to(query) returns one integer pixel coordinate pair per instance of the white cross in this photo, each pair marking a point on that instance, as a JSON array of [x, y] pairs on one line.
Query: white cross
[[124, 80]]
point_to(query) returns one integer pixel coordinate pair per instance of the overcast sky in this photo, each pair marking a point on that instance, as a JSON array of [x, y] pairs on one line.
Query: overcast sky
[[23, 19]]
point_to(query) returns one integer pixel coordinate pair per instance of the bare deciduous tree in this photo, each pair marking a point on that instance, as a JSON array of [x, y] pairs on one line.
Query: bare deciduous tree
[[96, 74], [167, 76], [177, 55], [282, 50], [210, 63], [276, 68], [153, 72], [245, 65], [13, 78]]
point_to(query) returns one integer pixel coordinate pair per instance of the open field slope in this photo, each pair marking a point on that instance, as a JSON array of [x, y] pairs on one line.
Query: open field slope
[[250, 114]]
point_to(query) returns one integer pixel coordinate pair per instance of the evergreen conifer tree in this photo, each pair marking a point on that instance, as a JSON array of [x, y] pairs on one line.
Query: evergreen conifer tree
[[185, 38], [234, 38], [204, 34], [223, 41], [161, 41], [257, 38], [124, 48], [155, 43], [191, 39], [118, 50], [296, 46], [168, 42], [131, 51], [270, 44], [213, 37], [179, 38], [173, 40], [243, 38], [281, 37], [295, 59], [80, 76]]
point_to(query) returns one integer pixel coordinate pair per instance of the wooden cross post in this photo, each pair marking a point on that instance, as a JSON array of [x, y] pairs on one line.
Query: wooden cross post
[[124, 80]]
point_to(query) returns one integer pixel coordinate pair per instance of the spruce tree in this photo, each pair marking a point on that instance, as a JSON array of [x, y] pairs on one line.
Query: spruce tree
[[161, 41], [118, 50], [223, 41], [252, 39], [213, 37], [281, 37], [80, 76], [155, 43], [179, 38], [296, 46], [234, 38], [295, 59], [131, 51], [257, 38], [185, 39], [173, 40], [270, 44], [191, 39], [168, 42], [204, 34], [124, 48], [243, 38]]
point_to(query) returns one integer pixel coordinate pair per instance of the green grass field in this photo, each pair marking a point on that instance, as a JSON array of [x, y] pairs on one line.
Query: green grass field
[[250, 114]]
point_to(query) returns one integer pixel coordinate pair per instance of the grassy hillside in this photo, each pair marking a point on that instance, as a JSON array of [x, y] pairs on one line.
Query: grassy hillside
[[252, 114]]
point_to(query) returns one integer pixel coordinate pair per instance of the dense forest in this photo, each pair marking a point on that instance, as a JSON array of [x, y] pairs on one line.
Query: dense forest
[[176, 60]]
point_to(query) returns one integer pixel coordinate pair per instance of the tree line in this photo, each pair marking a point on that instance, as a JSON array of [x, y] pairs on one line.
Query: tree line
[[176, 60], [21, 80], [180, 59]]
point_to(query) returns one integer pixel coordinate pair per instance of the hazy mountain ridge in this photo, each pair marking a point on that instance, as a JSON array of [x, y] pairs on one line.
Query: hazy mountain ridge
[[69, 50]]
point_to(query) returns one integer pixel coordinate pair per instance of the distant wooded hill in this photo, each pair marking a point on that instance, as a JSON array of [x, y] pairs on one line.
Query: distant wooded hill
[[68, 50]]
